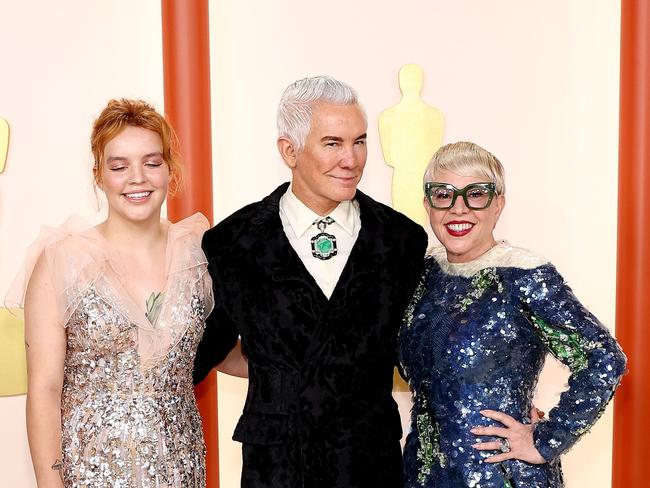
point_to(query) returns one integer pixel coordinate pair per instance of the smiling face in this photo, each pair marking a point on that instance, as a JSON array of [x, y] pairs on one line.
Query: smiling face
[[134, 175], [328, 169], [465, 233]]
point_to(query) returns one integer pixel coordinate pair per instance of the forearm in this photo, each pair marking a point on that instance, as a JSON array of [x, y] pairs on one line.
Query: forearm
[[590, 390], [45, 339], [577, 339], [44, 434], [235, 363], [219, 339]]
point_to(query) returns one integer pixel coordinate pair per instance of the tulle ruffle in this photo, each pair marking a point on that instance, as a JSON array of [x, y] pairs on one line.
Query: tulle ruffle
[[78, 258]]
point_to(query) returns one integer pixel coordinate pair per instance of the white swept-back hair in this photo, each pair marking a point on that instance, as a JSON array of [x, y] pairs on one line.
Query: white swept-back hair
[[298, 100]]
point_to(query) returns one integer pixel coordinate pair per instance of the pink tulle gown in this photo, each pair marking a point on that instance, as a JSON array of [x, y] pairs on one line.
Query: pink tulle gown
[[128, 413]]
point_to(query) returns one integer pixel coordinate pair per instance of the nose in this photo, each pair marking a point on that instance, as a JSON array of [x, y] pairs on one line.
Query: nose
[[351, 156], [136, 175], [459, 206]]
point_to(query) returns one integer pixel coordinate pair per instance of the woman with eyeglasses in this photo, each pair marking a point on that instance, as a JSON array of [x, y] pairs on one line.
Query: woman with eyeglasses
[[475, 337]]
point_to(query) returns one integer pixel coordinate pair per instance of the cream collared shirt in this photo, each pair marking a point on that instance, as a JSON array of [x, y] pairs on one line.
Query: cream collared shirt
[[298, 224]]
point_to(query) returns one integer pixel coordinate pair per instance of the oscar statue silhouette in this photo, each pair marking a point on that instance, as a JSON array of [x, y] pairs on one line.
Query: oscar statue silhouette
[[410, 132], [4, 143]]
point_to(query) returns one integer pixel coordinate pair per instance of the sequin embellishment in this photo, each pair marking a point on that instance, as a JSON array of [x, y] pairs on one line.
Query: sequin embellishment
[[480, 282], [476, 337], [122, 425], [429, 442], [421, 287], [569, 347]]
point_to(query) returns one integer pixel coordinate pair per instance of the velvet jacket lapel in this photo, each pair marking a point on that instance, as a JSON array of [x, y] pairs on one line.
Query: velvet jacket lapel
[[284, 266], [281, 262], [364, 258]]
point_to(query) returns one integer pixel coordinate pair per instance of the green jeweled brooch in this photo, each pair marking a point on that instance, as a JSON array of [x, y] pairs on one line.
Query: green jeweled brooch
[[323, 245]]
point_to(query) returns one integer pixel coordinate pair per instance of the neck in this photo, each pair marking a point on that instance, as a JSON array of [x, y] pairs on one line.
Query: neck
[[471, 256], [130, 236], [322, 208]]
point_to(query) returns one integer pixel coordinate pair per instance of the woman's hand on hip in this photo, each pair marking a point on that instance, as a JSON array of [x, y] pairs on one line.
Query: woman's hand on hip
[[516, 438]]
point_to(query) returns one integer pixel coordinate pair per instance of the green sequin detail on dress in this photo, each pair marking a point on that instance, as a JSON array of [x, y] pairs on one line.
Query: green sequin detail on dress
[[481, 281], [568, 347], [407, 320], [508, 482], [429, 443], [154, 303]]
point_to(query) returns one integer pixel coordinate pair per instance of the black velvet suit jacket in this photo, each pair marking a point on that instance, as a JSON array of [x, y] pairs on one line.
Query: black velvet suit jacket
[[319, 410]]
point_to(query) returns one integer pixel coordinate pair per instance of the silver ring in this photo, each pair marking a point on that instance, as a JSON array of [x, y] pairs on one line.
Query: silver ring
[[504, 445]]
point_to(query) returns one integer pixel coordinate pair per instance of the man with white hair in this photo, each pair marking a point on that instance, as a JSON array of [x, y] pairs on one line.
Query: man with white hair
[[315, 278]]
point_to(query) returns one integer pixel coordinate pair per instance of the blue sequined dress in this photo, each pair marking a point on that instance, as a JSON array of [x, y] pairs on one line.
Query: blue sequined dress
[[475, 337]]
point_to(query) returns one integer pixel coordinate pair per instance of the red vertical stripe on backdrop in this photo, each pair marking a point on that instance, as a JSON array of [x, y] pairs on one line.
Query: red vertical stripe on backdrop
[[186, 65], [631, 417]]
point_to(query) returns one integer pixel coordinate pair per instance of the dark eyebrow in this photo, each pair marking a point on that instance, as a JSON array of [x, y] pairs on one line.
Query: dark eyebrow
[[340, 139], [331, 138]]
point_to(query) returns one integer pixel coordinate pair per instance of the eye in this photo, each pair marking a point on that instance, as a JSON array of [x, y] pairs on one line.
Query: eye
[[476, 193], [153, 164], [360, 142], [118, 168], [331, 144], [442, 194]]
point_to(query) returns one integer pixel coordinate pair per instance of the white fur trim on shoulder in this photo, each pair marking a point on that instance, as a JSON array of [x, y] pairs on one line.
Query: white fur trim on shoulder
[[502, 255]]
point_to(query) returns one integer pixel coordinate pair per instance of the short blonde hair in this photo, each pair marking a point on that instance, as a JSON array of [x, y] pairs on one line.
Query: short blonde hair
[[467, 159]]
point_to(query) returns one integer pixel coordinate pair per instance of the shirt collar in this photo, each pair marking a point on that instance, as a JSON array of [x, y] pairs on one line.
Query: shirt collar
[[301, 217]]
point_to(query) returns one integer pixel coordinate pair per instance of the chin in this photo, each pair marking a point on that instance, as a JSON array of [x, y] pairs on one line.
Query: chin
[[457, 249], [343, 194], [138, 216]]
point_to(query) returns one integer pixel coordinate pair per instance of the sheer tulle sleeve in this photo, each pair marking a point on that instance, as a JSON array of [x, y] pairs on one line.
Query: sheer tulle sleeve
[[71, 264], [186, 261], [78, 259]]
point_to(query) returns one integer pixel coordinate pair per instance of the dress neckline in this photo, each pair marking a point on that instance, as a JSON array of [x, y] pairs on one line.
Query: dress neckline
[[116, 264], [503, 254]]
